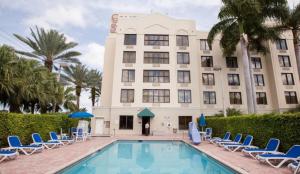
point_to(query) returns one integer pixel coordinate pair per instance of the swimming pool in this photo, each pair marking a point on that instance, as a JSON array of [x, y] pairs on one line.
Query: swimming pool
[[148, 157]]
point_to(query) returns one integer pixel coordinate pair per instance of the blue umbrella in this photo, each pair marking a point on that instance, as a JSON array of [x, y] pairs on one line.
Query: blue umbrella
[[202, 121], [81, 115]]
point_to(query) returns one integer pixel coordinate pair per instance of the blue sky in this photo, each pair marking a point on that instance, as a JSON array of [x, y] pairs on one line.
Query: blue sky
[[86, 21]]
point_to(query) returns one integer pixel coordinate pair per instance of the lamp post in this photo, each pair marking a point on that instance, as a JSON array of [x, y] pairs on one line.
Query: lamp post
[[219, 69]]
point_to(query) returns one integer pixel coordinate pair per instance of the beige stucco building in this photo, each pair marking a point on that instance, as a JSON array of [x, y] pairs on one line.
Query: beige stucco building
[[164, 64]]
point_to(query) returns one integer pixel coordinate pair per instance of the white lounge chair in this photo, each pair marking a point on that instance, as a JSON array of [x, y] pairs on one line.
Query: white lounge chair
[[216, 139], [295, 166], [37, 139], [292, 154], [54, 137], [15, 143], [7, 154], [236, 140], [235, 147], [271, 147]]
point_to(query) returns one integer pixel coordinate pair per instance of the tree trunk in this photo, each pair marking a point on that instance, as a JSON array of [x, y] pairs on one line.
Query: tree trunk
[[252, 81], [78, 91], [32, 107], [248, 84], [93, 95], [49, 65], [297, 50], [14, 108]]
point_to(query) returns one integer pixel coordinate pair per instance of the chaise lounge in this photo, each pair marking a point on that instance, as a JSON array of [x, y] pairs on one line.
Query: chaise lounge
[[15, 143]]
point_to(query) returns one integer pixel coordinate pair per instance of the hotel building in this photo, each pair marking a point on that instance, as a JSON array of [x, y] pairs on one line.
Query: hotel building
[[160, 70]]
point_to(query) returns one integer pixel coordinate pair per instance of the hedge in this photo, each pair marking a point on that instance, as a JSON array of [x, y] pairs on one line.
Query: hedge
[[263, 127], [23, 125]]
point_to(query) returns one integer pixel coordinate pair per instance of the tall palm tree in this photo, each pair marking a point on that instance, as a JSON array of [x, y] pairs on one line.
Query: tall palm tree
[[7, 58], [94, 82], [77, 76], [49, 47], [243, 22], [292, 22], [69, 99]]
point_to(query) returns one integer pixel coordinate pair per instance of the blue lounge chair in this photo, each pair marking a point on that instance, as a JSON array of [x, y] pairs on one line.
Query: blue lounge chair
[[15, 143], [271, 147], [234, 147], [292, 154], [54, 137], [208, 133], [80, 135], [295, 166], [236, 140], [7, 154], [37, 139], [225, 138]]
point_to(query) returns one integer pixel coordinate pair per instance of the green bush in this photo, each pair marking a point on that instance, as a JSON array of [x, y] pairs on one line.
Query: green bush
[[263, 127], [23, 125]]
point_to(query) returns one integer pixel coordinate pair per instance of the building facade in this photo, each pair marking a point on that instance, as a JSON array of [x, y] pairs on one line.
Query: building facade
[[163, 67]]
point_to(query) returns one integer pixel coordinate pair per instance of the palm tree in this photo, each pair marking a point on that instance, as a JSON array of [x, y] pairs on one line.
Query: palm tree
[[243, 22], [69, 99], [7, 58], [49, 47], [292, 22], [94, 82], [77, 76]]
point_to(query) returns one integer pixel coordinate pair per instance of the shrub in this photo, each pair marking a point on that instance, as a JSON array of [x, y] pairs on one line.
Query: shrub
[[230, 112], [263, 127], [23, 125]]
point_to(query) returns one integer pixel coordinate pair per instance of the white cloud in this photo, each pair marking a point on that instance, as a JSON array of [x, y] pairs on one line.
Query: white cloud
[[92, 55], [85, 101], [59, 16]]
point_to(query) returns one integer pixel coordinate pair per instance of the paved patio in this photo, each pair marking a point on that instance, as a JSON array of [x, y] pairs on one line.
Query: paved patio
[[53, 160]]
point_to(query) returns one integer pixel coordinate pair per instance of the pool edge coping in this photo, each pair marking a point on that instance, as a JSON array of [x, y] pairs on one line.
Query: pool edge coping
[[72, 162]]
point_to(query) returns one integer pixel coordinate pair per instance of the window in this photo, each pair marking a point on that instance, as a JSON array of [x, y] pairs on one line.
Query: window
[[207, 61], [209, 97], [281, 44], [287, 78], [126, 122], [291, 97], [182, 40], [261, 98], [204, 45], [235, 98], [130, 39], [231, 62], [156, 57], [129, 56], [256, 62], [183, 58], [156, 40], [183, 122], [284, 61], [183, 77], [128, 75], [233, 80], [184, 96], [208, 79], [259, 79], [127, 95], [156, 76], [156, 96]]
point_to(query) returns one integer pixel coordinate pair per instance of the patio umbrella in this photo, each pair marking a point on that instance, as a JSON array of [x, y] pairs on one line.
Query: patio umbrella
[[202, 121], [80, 115]]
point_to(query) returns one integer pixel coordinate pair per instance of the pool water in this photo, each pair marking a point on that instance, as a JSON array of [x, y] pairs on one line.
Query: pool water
[[148, 157]]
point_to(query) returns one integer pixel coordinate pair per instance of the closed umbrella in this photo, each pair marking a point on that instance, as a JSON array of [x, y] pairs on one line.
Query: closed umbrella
[[202, 121]]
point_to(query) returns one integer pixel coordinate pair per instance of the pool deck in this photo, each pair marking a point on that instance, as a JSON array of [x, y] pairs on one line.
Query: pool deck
[[50, 161]]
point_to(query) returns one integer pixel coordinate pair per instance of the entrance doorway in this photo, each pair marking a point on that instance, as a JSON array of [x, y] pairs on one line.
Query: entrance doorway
[[99, 124], [144, 121]]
